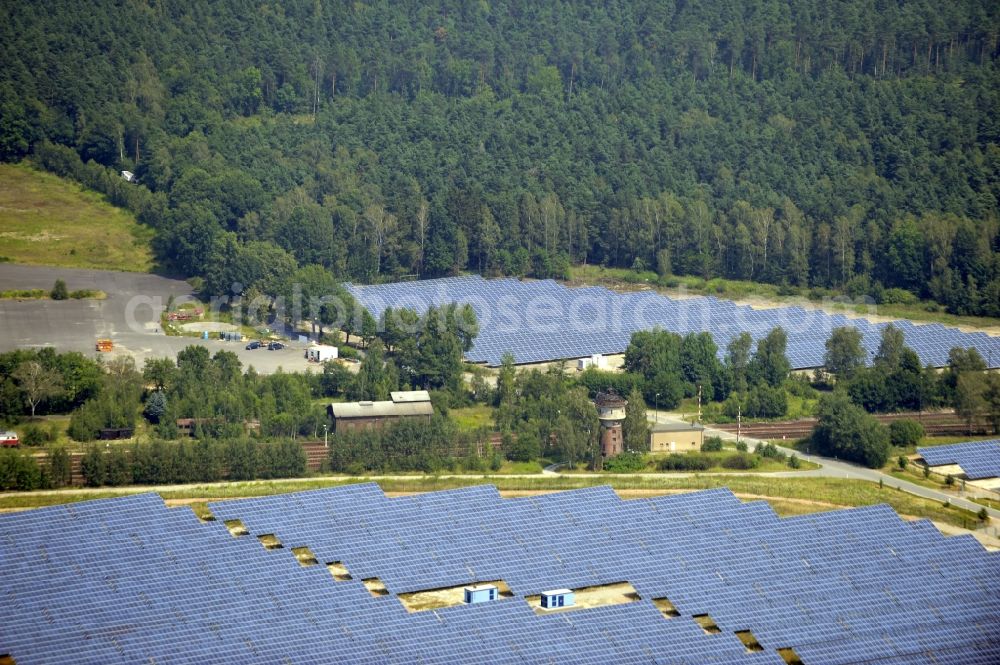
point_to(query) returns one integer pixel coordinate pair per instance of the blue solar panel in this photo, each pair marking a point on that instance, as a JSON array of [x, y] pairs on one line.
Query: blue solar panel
[[540, 321], [128, 580], [978, 459]]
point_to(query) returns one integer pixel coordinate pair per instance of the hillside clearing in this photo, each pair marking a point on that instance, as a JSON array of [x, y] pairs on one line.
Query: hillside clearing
[[46, 220]]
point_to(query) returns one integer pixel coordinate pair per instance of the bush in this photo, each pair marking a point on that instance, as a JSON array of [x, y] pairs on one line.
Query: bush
[[597, 381], [896, 296], [903, 462], [348, 352], [770, 451], [905, 433], [688, 462], [33, 436], [92, 467], [59, 291], [846, 431], [765, 401], [19, 471], [741, 447], [629, 462], [524, 447], [793, 462], [741, 461], [60, 468], [712, 444]]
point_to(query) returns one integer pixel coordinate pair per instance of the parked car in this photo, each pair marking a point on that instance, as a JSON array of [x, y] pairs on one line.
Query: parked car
[[275, 346], [253, 345], [9, 439]]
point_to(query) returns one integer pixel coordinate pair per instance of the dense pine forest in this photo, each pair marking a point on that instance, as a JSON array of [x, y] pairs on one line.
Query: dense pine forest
[[852, 145]]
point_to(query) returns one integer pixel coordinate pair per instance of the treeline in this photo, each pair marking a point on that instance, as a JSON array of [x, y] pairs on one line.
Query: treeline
[[207, 460], [755, 382], [787, 141], [412, 445], [895, 380], [668, 367]]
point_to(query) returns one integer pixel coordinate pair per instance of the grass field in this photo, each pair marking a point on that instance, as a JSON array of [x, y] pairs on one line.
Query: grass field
[[46, 220], [472, 418], [790, 495]]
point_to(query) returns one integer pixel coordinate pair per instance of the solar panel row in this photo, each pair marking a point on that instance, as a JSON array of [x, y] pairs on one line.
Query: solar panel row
[[127, 580], [540, 321], [978, 459]]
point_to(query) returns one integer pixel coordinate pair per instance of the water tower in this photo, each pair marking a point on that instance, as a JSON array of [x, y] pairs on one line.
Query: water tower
[[611, 413]]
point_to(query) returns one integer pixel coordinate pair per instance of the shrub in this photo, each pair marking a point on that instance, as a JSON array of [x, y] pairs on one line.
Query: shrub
[[628, 462], [92, 467], [688, 462], [793, 462], [349, 352], [19, 471], [949, 480], [983, 514], [59, 291], [712, 444], [905, 433], [770, 451], [766, 402], [741, 461], [903, 462], [741, 447], [33, 435], [846, 431], [896, 296], [60, 469]]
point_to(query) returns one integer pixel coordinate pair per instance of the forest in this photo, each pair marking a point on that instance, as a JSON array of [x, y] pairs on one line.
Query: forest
[[853, 146]]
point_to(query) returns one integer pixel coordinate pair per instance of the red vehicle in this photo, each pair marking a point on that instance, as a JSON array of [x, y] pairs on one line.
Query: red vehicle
[[9, 440]]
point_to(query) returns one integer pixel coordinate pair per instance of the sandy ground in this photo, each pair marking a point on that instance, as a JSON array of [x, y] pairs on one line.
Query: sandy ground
[[210, 326]]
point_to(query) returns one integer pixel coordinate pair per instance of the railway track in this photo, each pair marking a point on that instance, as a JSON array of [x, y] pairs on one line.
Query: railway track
[[939, 423]]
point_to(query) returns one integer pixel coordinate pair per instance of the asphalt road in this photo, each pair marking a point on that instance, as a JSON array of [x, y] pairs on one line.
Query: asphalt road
[[129, 317]]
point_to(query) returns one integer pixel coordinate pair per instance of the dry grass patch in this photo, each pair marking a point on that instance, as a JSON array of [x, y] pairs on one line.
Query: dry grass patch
[[375, 586], [46, 220], [270, 541], [304, 556], [340, 572], [616, 593], [434, 599], [666, 608]]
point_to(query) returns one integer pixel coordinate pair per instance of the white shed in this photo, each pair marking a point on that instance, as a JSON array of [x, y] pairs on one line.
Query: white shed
[[319, 353]]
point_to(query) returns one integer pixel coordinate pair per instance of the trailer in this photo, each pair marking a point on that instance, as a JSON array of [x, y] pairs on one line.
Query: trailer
[[320, 353]]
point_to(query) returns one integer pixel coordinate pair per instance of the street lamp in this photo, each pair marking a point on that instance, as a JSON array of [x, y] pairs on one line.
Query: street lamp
[[656, 408], [325, 443]]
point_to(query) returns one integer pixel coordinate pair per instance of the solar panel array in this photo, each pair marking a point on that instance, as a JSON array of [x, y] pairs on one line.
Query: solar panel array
[[978, 459], [540, 321], [128, 580]]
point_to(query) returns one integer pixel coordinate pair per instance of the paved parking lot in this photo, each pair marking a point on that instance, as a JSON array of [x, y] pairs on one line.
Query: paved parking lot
[[129, 317]]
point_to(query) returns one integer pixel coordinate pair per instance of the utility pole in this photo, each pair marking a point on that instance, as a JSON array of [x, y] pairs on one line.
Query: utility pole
[[656, 408], [739, 423], [699, 402]]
